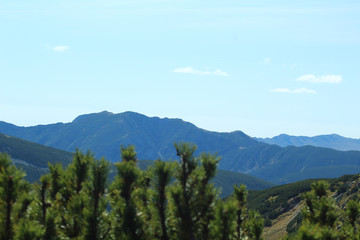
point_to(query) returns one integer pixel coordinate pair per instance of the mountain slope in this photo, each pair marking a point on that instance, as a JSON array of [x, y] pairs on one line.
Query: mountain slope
[[33, 158], [281, 205], [297, 163], [104, 132], [333, 141]]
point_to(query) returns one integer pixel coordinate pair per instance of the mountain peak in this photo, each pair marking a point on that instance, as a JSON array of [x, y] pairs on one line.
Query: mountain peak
[[93, 116]]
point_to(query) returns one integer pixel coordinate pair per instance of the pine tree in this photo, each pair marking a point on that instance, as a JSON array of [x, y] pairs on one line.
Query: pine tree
[[41, 213], [126, 220], [352, 211], [13, 199], [320, 214], [70, 199], [96, 220], [162, 175], [240, 196], [192, 195], [207, 194], [56, 174], [254, 225], [224, 227]]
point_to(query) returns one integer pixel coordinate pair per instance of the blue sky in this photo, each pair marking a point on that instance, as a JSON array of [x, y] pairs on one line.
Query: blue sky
[[263, 67]]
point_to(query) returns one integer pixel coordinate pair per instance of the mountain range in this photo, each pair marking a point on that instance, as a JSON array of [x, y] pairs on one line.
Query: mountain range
[[33, 158], [333, 141], [103, 133], [279, 205]]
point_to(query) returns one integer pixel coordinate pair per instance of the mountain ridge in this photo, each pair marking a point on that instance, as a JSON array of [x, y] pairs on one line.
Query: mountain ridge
[[103, 133], [333, 141]]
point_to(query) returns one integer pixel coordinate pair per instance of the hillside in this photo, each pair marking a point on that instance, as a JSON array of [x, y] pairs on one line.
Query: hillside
[[104, 132], [298, 163], [333, 141], [33, 158], [281, 205]]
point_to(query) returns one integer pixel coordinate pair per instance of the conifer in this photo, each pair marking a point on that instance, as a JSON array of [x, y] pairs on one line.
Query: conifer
[[13, 201]]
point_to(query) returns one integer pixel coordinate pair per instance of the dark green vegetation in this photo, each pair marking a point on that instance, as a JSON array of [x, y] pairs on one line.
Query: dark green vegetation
[[104, 132], [78, 202], [35, 154], [333, 141], [169, 200], [279, 200], [326, 216], [33, 158]]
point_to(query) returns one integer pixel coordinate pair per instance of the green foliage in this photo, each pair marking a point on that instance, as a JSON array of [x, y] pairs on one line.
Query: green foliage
[[319, 207], [275, 201], [353, 214], [26, 230], [13, 201], [240, 196], [127, 223], [96, 220], [162, 173], [192, 196], [324, 219], [169, 201], [223, 227], [254, 225]]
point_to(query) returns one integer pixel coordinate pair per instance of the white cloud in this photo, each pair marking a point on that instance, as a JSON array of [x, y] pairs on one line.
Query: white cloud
[[267, 60], [320, 79], [192, 70], [299, 90], [61, 48]]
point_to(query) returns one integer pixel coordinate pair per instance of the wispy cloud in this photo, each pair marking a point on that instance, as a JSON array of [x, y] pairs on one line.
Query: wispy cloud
[[191, 70], [299, 90], [290, 66], [61, 48], [320, 79], [267, 60]]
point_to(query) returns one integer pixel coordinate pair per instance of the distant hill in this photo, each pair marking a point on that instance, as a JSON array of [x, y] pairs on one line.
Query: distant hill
[[104, 132], [333, 141], [33, 158]]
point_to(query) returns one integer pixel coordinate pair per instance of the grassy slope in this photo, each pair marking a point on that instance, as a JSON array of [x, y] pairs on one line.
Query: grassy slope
[[282, 204]]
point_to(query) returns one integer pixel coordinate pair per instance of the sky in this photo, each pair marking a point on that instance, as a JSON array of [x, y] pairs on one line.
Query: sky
[[262, 67]]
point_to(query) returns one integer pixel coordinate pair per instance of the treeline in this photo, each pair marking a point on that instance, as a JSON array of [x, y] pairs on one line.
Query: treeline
[[169, 201]]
